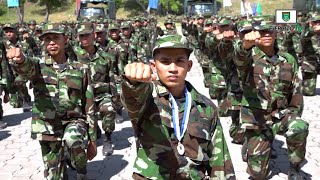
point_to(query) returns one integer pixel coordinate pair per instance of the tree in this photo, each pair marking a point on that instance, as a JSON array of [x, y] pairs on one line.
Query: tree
[[171, 5], [50, 6]]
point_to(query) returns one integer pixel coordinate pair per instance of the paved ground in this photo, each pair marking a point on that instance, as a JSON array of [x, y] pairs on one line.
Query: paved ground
[[20, 156]]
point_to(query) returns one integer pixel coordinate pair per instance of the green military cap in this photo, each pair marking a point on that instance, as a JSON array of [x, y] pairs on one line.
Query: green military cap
[[9, 26], [113, 25], [262, 24], [208, 21], [224, 21], [85, 28], [200, 16], [244, 25], [172, 41], [55, 28], [315, 17], [125, 24], [32, 22], [100, 28], [137, 19], [39, 28], [168, 21]]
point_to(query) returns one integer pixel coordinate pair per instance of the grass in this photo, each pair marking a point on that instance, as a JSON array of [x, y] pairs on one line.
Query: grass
[[130, 9], [268, 6]]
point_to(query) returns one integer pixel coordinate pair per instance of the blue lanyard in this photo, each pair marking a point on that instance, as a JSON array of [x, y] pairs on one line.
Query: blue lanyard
[[180, 130]]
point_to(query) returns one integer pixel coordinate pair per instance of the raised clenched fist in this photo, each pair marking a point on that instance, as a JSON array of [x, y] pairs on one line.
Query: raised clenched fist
[[250, 39], [139, 72], [15, 55], [208, 29]]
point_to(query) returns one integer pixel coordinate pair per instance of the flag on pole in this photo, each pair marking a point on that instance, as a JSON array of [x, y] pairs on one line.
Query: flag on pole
[[242, 10], [227, 3], [259, 9], [153, 4]]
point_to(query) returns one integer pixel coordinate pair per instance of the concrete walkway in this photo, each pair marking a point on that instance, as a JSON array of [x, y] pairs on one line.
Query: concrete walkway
[[20, 156]]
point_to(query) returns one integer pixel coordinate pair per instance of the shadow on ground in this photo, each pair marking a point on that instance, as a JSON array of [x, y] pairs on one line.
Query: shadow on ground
[[279, 162], [15, 119], [112, 165], [4, 134]]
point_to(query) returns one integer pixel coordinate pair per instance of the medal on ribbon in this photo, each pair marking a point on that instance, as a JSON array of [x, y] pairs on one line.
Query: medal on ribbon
[[179, 131]]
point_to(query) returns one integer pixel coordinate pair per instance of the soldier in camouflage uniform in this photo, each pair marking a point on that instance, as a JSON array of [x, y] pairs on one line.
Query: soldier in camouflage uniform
[[101, 35], [63, 111], [129, 42], [169, 30], [220, 64], [198, 149], [18, 89], [272, 101], [310, 42], [141, 39], [102, 80], [5, 78], [32, 27], [116, 47]]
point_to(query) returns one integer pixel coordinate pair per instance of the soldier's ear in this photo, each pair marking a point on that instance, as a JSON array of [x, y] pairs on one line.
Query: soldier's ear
[[66, 39], [190, 63], [153, 66]]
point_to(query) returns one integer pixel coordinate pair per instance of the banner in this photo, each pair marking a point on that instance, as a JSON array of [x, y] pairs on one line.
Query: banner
[[227, 3], [13, 3], [153, 4]]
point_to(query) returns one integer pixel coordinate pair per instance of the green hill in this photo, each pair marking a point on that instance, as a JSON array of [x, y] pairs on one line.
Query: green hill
[[128, 8]]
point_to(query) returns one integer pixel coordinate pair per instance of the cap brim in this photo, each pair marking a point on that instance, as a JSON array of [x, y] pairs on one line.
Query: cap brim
[[85, 32], [50, 32], [189, 50]]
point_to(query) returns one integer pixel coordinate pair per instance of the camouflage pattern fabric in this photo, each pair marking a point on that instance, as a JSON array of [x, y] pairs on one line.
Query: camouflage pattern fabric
[[63, 111], [18, 89], [104, 88], [310, 61], [272, 103], [157, 156], [53, 151]]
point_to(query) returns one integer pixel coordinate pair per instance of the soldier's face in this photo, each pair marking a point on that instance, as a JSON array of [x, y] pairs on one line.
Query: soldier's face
[[267, 38], [11, 34], [100, 37], [55, 43], [32, 26], [126, 31], [224, 28], [315, 26], [171, 66], [38, 32], [86, 40], [200, 20], [114, 34], [168, 25]]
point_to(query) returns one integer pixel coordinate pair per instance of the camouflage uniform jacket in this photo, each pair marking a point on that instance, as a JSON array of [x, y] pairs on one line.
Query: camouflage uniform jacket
[[310, 51], [26, 48], [6, 72], [63, 93], [120, 54], [161, 32], [269, 84], [102, 77], [130, 47], [206, 150]]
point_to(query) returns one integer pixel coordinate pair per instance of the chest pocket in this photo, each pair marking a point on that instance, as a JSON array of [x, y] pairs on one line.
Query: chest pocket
[[198, 139], [285, 78], [261, 75], [74, 85]]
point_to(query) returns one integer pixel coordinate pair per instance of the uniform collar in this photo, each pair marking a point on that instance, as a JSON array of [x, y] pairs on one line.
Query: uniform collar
[[162, 91]]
